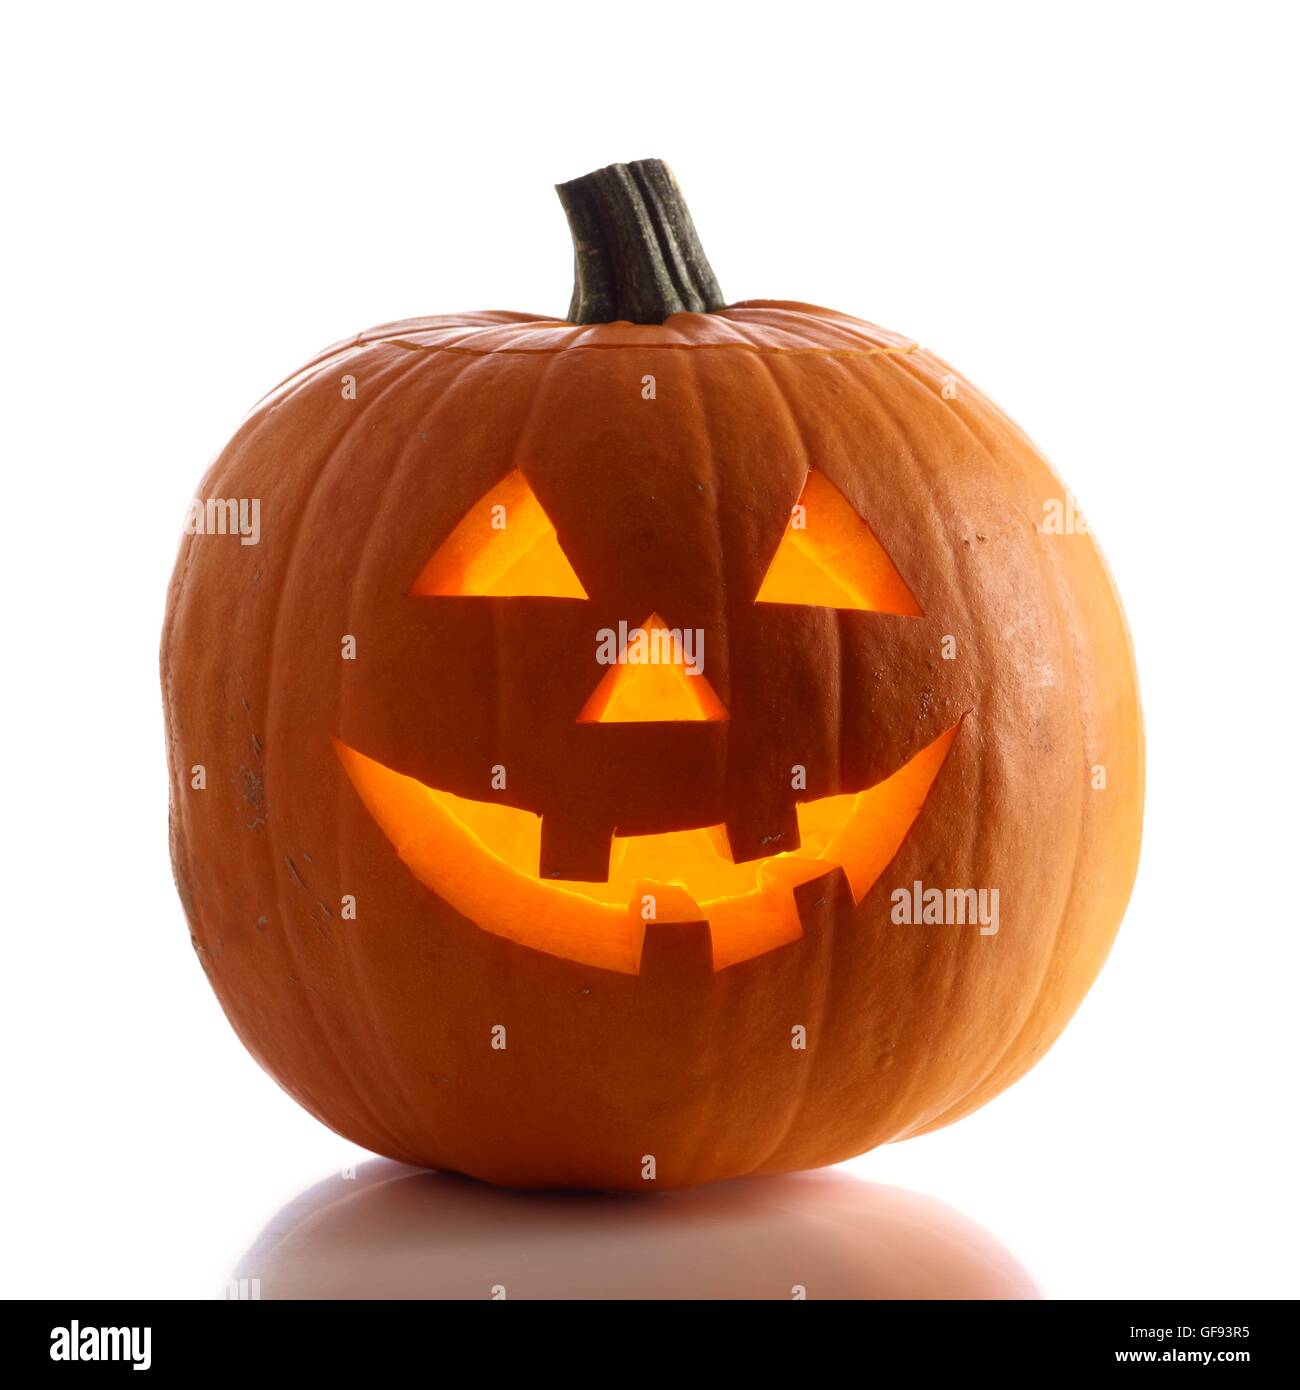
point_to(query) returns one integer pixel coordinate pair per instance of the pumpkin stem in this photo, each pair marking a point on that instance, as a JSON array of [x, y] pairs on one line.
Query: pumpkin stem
[[636, 256]]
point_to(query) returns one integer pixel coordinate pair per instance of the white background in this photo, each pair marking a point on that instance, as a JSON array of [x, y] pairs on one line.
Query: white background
[[1088, 209]]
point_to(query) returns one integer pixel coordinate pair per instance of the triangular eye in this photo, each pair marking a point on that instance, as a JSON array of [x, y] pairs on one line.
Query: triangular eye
[[504, 547], [829, 558], [652, 684]]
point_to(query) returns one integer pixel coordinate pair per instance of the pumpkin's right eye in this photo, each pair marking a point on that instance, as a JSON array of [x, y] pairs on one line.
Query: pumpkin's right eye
[[505, 546]]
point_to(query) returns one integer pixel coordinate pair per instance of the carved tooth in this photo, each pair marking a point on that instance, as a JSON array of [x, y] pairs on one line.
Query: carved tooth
[[678, 942], [651, 901], [574, 850], [760, 831]]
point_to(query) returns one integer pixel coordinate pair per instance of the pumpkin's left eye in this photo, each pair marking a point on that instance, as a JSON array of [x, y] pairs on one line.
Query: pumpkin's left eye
[[830, 558], [505, 546]]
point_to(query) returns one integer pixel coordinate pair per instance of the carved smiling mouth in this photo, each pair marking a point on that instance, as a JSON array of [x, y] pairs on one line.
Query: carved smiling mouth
[[482, 858]]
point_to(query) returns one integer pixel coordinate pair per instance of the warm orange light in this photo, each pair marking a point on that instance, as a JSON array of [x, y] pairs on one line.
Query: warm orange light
[[829, 558], [653, 691], [482, 858], [504, 547]]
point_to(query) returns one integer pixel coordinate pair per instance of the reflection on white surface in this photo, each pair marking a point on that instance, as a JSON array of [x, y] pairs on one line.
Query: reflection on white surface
[[397, 1232]]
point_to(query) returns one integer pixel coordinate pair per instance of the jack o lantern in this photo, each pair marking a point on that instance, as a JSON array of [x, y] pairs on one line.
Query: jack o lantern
[[657, 746]]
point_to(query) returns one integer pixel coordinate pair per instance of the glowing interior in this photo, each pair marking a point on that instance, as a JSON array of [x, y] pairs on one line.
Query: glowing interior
[[829, 558], [653, 693], [483, 857], [504, 547]]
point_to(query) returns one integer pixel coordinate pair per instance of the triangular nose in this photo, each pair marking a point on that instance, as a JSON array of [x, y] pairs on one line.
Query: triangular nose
[[653, 682]]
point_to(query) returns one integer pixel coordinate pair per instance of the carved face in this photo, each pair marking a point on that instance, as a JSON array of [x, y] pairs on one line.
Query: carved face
[[485, 855], [582, 849]]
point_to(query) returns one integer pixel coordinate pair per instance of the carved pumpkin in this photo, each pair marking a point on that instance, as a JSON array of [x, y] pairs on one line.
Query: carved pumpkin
[[658, 746]]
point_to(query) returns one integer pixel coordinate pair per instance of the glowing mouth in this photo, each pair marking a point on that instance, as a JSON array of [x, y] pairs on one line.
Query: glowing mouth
[[481, 858]]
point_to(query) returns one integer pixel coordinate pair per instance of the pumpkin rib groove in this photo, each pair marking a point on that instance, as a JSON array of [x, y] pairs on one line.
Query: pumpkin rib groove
[[518, 452], [932, 485], [369, 997], [699, 402], [1012, 1046], [694, 1160], [799, 1100], [298, 526], [835, 722], [990, 467], [1066, 647], [177, 610], [536, 1078], [1049, 1030], [1066, 650]]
